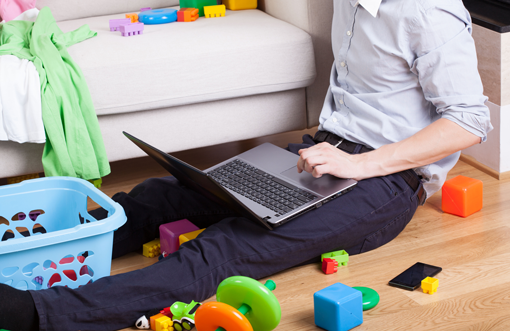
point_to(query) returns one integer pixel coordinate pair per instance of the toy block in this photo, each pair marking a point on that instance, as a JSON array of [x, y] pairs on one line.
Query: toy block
[[429, 285], [240, 4], [153, 319], [145, 9], [342, 257], [338, 307], [131, 29], [329, 266], [169, 234], [462, 196], [115, 24], [133, 17], [152, 248], [214, 11], [187, 15], [163, 323], [199, 4], [189, 236]]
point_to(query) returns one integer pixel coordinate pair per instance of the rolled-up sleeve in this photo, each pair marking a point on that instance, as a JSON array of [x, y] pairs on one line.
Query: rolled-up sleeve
[[444, 58]]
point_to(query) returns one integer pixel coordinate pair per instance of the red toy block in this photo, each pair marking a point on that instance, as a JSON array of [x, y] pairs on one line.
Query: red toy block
[[462, 196], [187, 15], [329, 266]]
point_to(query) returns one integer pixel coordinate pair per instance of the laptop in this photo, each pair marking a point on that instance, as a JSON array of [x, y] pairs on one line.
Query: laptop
[[261, 184]]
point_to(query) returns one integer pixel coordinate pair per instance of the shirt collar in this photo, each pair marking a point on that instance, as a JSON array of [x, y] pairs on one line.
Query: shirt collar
[[372, 6]]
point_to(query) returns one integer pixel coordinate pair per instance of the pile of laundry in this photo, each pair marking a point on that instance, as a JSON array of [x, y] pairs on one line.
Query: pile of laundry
[[43, 95]]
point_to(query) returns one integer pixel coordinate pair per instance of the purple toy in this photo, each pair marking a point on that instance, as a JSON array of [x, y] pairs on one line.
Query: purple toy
[[146, 8], [169, 235], [131, 29], [115, 24]]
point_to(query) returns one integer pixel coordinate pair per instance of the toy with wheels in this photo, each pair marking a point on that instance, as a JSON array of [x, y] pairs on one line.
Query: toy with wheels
[[184, 315], [244, 304]]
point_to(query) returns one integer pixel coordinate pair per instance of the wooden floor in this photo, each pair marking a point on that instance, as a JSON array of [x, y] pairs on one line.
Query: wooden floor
[[474, 252]]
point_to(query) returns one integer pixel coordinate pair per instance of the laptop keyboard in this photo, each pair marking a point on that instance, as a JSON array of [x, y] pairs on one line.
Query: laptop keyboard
[[261, 187]]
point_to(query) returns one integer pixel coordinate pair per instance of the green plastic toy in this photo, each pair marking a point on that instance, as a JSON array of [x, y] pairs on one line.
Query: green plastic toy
[[370, 297]]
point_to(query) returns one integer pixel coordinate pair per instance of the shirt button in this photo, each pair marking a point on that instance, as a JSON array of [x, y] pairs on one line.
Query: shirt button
[[341, 102], [334, 119], [349, 33], [342, 64]]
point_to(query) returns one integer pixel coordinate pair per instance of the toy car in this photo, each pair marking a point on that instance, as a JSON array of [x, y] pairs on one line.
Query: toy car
[[184, 315]]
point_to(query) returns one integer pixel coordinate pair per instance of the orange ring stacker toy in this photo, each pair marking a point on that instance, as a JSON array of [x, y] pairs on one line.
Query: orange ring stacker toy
[[240, 299], [218, 311]]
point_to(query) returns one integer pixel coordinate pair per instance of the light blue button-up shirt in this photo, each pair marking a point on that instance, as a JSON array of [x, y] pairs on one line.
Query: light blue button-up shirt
[[398, 72]]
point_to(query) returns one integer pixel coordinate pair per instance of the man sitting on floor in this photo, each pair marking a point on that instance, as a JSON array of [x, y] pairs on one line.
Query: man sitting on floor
[[404, 94]]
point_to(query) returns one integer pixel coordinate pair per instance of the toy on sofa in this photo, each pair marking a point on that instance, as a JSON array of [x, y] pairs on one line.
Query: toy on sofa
[[131, 29], [187, 15], [158, 16], [115, 24], [240, 4], [257, 308], [214, 11], [199, 4]]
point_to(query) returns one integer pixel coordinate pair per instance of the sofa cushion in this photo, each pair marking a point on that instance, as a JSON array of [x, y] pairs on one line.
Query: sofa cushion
[[244, 53], [72, 9]]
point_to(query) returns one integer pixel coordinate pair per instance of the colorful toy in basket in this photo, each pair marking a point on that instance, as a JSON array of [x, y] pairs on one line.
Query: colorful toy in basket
[[59, 243], [244, 304]]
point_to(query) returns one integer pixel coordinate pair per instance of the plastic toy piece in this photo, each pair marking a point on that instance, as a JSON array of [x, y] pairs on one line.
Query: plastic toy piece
[[183, 315], [158, 16], [115, 24], [214, 11], [152, 248], [462, 196], [342, 257], [169, 234], [19, 179], [429, 285], [240, 4], [250, 297], [189, 236], [131, 29], [163, 323], [145, 9], [98, 182], [153, 319], [329, 266], [338, 307], [199, 4], [370, 297], [187, 15], [133, 17]]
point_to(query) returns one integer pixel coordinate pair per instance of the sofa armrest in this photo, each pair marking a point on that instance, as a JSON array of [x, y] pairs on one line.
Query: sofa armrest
[[314, 17]]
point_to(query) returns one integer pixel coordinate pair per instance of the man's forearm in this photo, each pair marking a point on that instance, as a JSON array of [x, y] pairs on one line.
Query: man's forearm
[[436, 141]]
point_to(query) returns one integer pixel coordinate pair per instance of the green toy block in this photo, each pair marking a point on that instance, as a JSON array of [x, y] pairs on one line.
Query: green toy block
[[97, 183], [342, 257], [197, 4]]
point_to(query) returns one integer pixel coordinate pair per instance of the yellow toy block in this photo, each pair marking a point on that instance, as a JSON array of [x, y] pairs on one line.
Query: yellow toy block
[[133, 17], [429, 285], [164, 323], [240, 4], [214, 11], [189, 236], [153, 320], [152, 248]]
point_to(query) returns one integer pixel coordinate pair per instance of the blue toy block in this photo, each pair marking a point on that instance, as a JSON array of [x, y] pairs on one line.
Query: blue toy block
[[338, 307]]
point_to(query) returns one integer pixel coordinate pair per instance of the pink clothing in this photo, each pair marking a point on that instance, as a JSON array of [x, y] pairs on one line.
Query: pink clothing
[[10, 9]]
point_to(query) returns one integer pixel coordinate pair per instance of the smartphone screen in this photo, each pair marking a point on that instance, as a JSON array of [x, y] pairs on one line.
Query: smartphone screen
[[412, 277]]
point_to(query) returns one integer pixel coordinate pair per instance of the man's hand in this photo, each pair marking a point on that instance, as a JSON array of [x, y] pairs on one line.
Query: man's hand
[[324, 158]]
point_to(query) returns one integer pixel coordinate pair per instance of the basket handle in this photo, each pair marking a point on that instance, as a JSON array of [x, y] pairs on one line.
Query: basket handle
[[102, 200]]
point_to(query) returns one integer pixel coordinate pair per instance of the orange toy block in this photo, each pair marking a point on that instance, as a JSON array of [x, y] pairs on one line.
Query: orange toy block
[[133, 17], [153, 320], [462, 196], [187, 15], [240, 4]]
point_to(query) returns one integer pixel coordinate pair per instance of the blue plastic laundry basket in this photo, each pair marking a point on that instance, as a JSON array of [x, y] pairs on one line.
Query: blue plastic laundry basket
[[47, 236]]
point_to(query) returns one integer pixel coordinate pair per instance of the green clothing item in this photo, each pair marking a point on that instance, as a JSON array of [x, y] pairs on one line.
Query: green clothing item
[[74, 144]]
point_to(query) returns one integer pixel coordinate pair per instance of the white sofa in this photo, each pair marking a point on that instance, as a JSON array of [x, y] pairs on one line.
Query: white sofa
[[187, 85]]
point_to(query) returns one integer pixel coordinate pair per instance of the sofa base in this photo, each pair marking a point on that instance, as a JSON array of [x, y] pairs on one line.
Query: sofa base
[[171, 130]]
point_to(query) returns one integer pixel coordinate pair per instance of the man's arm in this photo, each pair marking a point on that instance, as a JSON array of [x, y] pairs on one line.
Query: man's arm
[[433, 143]]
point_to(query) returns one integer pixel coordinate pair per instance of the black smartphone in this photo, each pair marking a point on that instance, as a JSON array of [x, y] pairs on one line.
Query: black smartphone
[[412, 277]]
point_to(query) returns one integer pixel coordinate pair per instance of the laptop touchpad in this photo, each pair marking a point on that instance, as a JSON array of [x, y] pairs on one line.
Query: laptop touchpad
[[325, 185]]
